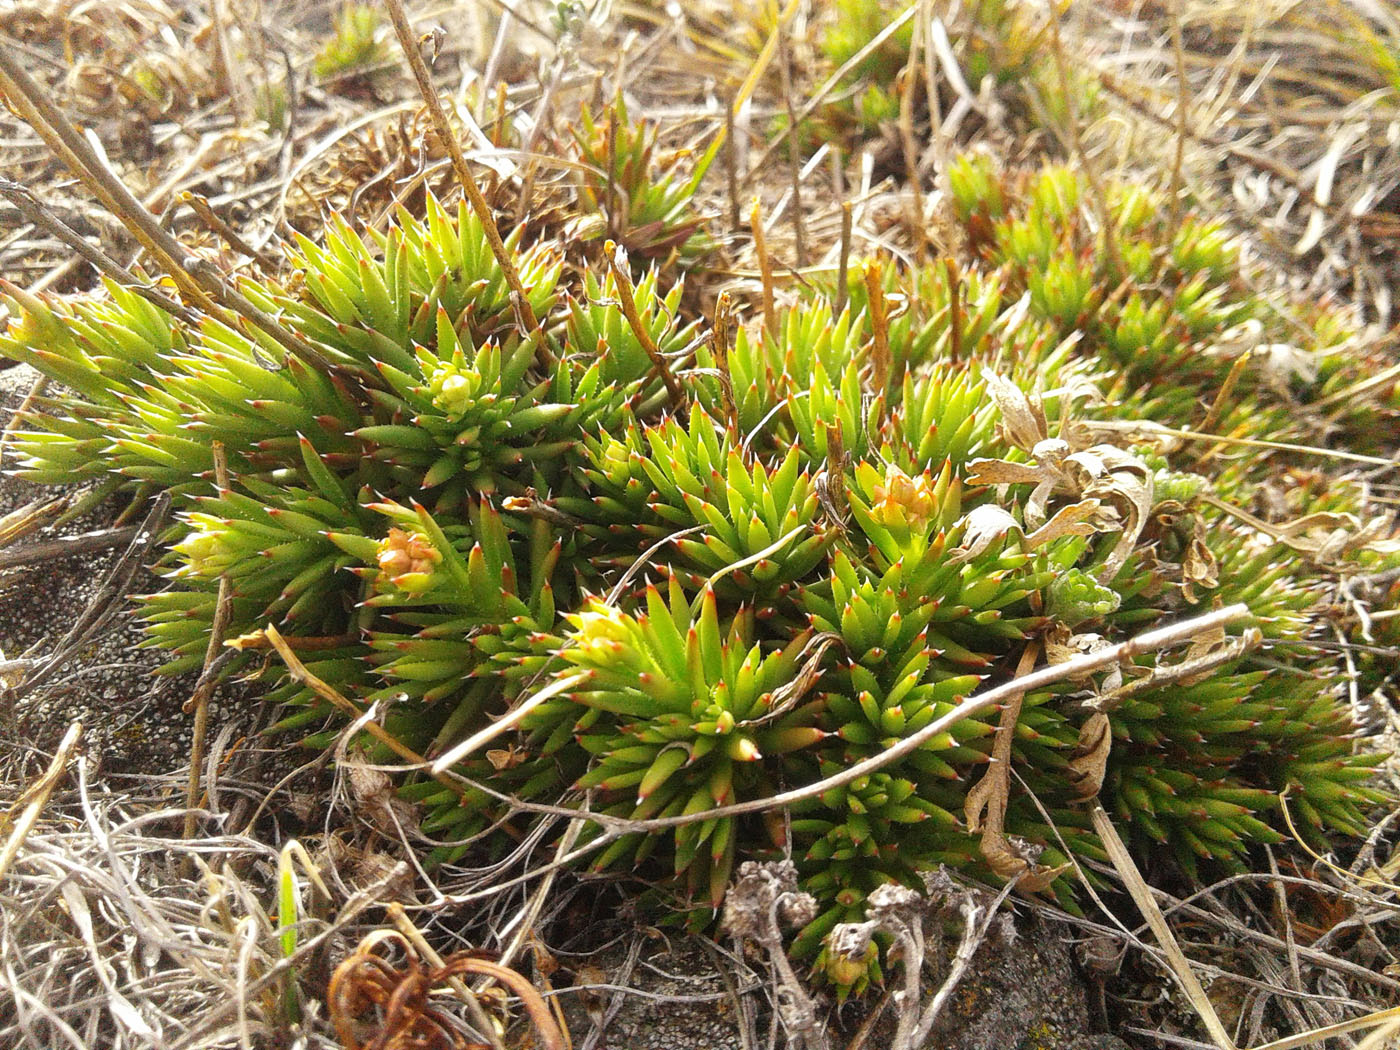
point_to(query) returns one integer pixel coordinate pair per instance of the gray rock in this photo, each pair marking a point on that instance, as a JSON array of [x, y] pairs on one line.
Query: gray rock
[[1020, 993], [682, 1004]]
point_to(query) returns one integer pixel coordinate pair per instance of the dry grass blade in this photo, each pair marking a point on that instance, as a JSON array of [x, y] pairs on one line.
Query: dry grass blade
[[616, 258], [504, 724], [26, 519], [1142, 897], [105, 603], [298, 671], [103, 942], [35, 798], [37, 213]]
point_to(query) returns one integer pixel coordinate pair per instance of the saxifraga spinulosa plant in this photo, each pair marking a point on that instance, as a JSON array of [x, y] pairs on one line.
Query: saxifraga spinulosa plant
[[846, 528]]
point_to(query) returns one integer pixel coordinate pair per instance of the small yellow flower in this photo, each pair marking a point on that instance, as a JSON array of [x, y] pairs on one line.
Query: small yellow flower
[[408, 560], [902, 499], [204, 550], [600, 632]]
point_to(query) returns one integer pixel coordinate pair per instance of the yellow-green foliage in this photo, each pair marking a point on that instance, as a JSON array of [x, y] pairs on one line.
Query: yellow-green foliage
[[720, 605], [357, 44], [1002, 43]]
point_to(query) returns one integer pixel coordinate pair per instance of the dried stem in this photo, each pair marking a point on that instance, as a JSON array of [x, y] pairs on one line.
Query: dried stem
[[616, 257], [1142, 897], [230, 82], [955, 347], [911, 149], [985, 806], [1182, 94], [719, 349], [34, 210], [207, 215], [765, 266], [935, 107], [36, 797], [328, 693], [36, 391], [1156, 640], [1222, 399], [799, 232], [843, 261], [1091, 174], [29, 98], [197, 280], [827, 87], [880, 363], [478, 203], [105, 601], [731, 164], [978, 922]]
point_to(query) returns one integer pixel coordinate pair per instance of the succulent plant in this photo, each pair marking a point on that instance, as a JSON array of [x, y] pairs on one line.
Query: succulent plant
[[826, 543], [1001, 45], [356, 46], [632, 195]]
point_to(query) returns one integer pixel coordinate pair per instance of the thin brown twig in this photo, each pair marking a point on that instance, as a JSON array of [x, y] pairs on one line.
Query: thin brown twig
[[34, 515], [336, 699], [1091, 173], [616, 257], [719, 349], [63, 546], [36, 391], [843, 261], [731, 165], [935, 107], [478, 203], [765, 265], [231, 84], [212, 219], [799, 231], [1222, 397], [105, 601], [35, 211], [1182, 95], [198, 281], [911, 150], [29, 98], [880, 363], [950, 268]]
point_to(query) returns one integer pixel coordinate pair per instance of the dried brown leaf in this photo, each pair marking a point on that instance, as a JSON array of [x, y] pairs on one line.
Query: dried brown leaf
[[1088, 762], [1023, 423]]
